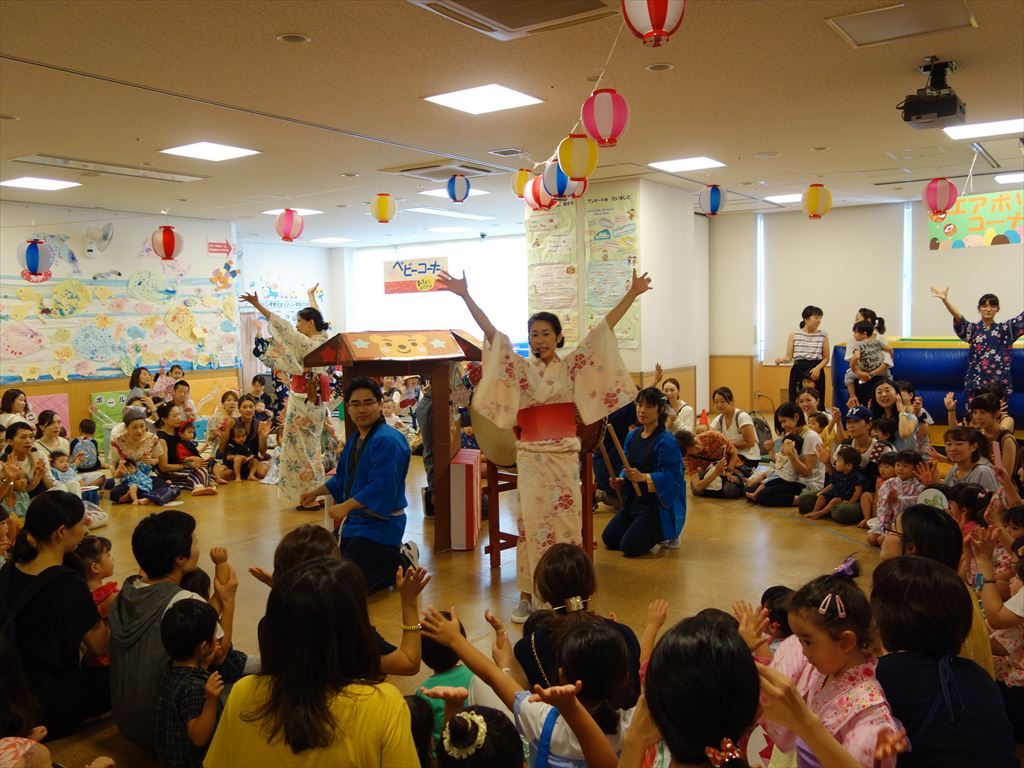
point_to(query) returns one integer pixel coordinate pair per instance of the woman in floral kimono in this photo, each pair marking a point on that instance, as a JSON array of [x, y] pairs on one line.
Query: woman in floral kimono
[[302, 466], [539, 397]]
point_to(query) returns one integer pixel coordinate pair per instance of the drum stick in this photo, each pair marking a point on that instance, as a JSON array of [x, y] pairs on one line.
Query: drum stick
[[622, 455], [608, 463]]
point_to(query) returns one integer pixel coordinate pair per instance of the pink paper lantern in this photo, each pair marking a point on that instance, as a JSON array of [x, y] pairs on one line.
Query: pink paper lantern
[[605, 116], [167, 243], [939, 196], [653, 21], [289, 225], [536, 197]]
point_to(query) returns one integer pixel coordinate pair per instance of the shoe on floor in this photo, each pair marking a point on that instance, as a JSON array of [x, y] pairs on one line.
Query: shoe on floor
[[522, 612], [670, 543], [410, 554]]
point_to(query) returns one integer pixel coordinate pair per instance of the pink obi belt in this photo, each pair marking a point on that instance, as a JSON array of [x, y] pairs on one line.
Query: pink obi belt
[[546, 422]]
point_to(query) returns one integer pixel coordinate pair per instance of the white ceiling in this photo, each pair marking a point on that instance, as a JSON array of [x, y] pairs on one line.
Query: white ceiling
[[109, 81]]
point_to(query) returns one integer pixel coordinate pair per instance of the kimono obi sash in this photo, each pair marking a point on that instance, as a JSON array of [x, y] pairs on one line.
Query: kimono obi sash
[[300, 385], [546, 422]]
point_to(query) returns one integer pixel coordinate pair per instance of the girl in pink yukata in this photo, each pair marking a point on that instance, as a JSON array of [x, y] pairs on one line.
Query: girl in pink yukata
[[828, 660]]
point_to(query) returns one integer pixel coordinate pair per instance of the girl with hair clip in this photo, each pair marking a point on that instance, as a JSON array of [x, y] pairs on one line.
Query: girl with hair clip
[[480, 737], [591, 653], [301, 460], [808, 349], [566, 580], [952, 709], [874, 332], [828, 660], [657, 513], [537, 396], [989, 343]]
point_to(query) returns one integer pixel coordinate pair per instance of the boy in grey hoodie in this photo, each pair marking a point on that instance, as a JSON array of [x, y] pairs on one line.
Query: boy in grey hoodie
[[166, 548]]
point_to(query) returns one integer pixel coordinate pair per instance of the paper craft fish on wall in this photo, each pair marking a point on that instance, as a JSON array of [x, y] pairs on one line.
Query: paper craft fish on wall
[[61, 249], [19, 340]]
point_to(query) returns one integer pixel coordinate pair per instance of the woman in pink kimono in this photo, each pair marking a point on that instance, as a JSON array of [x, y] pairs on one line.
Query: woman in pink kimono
[[302, 466], [538, 397]]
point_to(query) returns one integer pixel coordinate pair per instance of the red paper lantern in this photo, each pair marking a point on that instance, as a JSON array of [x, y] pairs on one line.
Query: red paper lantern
[[289, 225], [536, 197], [167, 243], [939, 195], [653, 21], [605, 116]]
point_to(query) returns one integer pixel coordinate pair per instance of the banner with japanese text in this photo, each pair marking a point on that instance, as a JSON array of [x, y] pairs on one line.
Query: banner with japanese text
[[413, 275], [994, 218]]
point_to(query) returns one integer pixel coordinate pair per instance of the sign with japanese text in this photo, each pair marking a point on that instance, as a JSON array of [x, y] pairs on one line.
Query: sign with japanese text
[[995, 218], [413, 275]]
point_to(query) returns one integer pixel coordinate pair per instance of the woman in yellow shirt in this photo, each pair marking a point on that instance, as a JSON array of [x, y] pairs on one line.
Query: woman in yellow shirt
[[321, 699]]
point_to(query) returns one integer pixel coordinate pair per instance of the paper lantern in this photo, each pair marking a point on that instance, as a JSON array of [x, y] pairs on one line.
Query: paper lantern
[[712, 199], [605, 116], [289, 225], [581, 189], [167, 243], [939, 196], [536, 197], [458, 188], [520, 179], [577, 156], [557, 184], [383, 208], [653, 21], [36, 258], [817, 201]]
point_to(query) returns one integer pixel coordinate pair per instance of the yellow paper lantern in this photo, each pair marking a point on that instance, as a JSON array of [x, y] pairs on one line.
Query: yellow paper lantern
[[520, 179], [383, 208], [577, 156], [817, 201]]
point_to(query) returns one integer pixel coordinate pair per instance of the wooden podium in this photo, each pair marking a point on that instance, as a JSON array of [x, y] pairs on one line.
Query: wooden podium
[[430, 354]]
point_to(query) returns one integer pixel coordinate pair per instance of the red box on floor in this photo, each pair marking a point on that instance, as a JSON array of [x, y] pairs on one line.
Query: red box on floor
[[465, 495]]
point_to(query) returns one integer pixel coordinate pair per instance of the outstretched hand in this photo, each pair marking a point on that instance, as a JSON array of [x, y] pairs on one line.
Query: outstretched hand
[[940, 293], [436, 627], [753, 623], [445, 282], [250, 298], [640, 285], [411, 582], [558, 696]]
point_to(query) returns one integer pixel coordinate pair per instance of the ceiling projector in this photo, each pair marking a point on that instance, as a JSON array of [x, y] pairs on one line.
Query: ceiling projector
[[936, 105]]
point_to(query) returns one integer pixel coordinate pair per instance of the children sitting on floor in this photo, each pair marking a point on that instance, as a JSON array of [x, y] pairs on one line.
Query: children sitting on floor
[[896, 494], [85, 451], [65, 475], [135, 481], [448, 671], [847, 484], [238, 454], [782, 471], [92, 559]]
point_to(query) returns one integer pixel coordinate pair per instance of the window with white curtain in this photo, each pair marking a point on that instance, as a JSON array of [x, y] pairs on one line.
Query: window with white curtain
[[495, 269]]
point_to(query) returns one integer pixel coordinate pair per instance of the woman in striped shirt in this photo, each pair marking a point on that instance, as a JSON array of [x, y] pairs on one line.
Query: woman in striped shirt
[[807, 348]]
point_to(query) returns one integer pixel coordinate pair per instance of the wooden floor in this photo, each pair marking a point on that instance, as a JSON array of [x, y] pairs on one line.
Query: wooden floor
[[730, 550]]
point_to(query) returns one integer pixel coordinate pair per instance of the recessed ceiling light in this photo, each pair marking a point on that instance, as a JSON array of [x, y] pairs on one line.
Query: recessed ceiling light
[[9, 117], [998, 128], [591, 78], [820, 149], [766, 155], [341, 205], [483, 99], [686, 164], [444, 192], [181, 199], [663, 67], [1009, 178], [34, 182], [348, 175], [449, 230], [293, 37], [784, 198], [300, 211], [208, 150], [449, 214], [332, 240]]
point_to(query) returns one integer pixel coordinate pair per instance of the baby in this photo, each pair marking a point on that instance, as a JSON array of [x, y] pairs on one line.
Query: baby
[[782, 467], [135, 483], [64, 474], [239, 455], [847, 483]]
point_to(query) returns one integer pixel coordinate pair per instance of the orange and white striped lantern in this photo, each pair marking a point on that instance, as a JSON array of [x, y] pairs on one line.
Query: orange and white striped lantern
[[383, 208], [289, 225], [577, 156], [817, 201], [536, 197], [520, 179]]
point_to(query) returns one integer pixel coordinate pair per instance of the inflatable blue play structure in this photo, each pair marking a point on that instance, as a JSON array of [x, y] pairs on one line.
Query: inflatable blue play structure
[[935, 367]]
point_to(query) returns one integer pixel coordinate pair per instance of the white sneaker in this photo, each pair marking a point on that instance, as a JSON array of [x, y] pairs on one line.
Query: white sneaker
[[410, 552], [522, 612], [671, 543]]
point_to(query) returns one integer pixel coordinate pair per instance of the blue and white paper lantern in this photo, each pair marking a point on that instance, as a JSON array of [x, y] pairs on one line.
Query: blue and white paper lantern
[[36, 258], [458, 188], [557, 183], [712, 199]]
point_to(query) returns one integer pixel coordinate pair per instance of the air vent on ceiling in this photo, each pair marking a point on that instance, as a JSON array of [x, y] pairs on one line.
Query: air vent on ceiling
[[440, 172], [509, 152], [113, 169], [505, 20], [900, 21]]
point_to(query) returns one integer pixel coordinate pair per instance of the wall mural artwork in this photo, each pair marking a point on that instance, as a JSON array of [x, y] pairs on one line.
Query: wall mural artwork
[[105, 311]]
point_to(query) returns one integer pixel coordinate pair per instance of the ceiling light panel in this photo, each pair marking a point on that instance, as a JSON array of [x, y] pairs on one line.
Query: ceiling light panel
[[484, 99], [449, 230], [449, 214], [783, 199], [332, 240], [978, 130], [686, 164], [34, 182], [208, 150], [300, 211], [444, 192], [1009, 178]]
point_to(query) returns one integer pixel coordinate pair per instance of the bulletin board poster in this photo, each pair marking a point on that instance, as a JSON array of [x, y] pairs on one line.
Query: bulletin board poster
[[552, 256], [106, 409], [413, 275], [282, 295], [612, 252], [78, 312], [995, 218]]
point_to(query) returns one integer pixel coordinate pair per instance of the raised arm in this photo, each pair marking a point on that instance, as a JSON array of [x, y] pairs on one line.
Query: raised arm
[[254, 300], [637, 286], [311, 297], [943, 295], [446, 282]]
